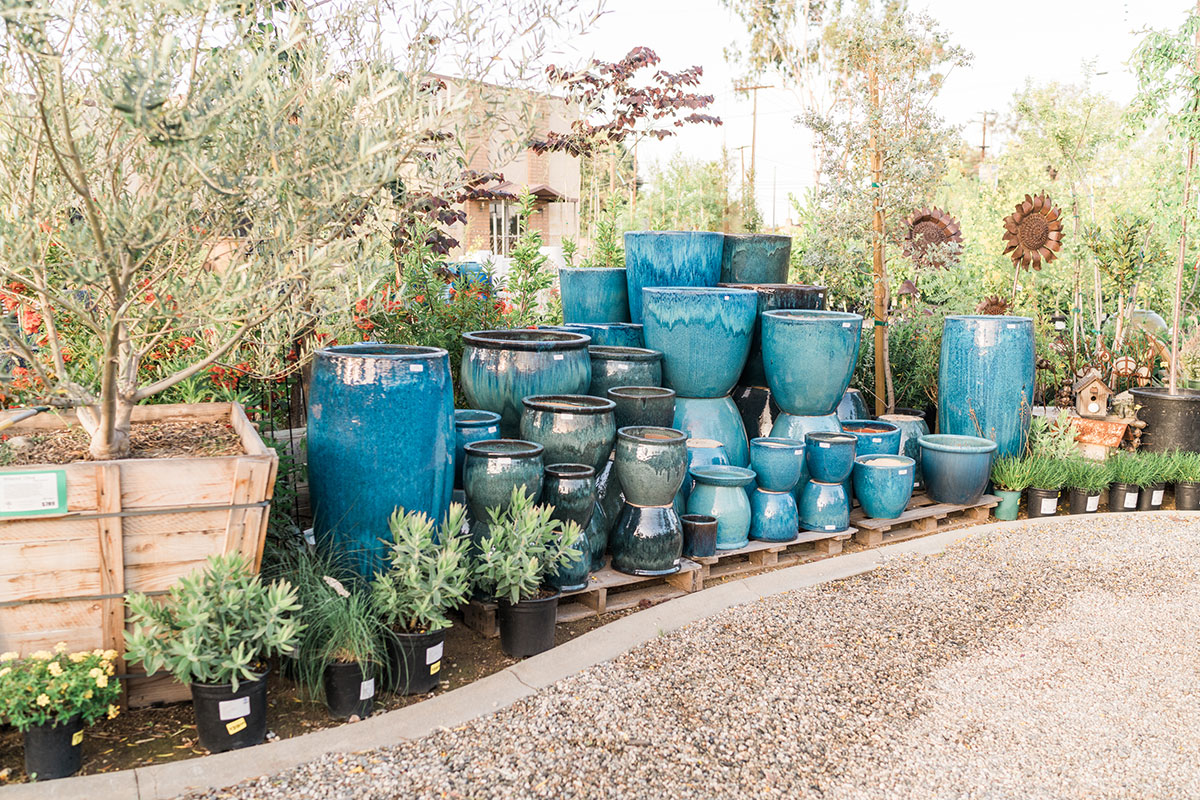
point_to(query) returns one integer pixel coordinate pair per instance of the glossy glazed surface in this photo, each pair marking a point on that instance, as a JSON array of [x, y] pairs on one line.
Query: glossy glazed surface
[[773, 297], [699, 535], [704, 336], [912, 428], [778, 463], [609, 334], [824, 507], [830, 456], [809, 358], [643, 405], [593, 294], [647, 540], [853, 406], [874, 436], [623, 366], [956, 468], [650, 463], [493, 468], [883, 484], [471, 425], [755, 258], [774, 516], [574, 428], [720, 492], [714, 418], [670, 258]]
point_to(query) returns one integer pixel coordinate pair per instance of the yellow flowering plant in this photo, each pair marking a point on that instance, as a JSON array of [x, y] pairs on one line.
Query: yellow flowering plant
[[51, 687]]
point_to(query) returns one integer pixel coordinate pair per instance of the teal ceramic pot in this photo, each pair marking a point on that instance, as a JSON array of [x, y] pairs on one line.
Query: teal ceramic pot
[[772, 297], [714, 418], [777, 463], [986, 379], [597, 536], [790, 426], [874, 437], [824, 507], [651, 464], [607, 334], [501, 368], [703, 334], [809, 358], [571, 489], [471, 425], [755, 258], [574, 428], [774, 516], [701, 453], [608, 488], [883, 484], [492, 469], [647, 540], [956, 468], [912, 428], [593, 294], [1009, 506], [699, 535], [720, 492], [380, 436], [653, 406], [670, 258], [623, 366], [830, 456], [853, 406]]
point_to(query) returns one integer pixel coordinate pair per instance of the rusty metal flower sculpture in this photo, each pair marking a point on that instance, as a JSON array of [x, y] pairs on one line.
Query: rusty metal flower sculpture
[[1033, 232], [993, 305], [929, 226]]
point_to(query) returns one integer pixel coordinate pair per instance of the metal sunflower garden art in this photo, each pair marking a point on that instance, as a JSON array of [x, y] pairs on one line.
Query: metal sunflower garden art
[[926, 227], [1033, 232]]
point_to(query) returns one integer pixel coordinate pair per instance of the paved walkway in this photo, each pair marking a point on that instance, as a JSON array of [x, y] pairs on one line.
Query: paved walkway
[[1056, 663]]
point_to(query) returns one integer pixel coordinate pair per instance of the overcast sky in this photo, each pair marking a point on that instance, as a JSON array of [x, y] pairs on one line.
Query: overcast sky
[[1050, 40]]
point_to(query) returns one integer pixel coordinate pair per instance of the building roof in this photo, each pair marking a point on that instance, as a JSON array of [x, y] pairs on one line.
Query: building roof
[[542, 191]]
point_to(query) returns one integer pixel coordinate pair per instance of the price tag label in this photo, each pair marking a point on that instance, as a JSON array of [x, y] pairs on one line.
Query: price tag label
[[1157, 498], [830, 527], [559, 356], [77, 739], [416, 367], [876, 440], [1049, 505], [824, 444], [366, 689], [1131, 500], [232, 709], [435, 668], [434, 653], [26, 494], [1093, 503], [236, 725]]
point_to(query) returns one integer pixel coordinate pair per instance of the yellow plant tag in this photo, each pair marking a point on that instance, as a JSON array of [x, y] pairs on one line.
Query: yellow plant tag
[[77, 739], [238, 724], [435, 668]]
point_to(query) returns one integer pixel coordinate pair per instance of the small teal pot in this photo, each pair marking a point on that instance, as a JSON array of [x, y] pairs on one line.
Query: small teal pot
[[471, 425], [492, 469], [651, 464], [772, 297], [720, 492], [875, 437], [956, 468], [704, 335], [606, 334], [647, 540], [701, 453], [912, 428], [593, 294], [501, 368], [652, 406], [830, 456], [574, 428], [755, 258], [778, 463], [809, 358], [883, 484], [623, 366], [774, 516], [1009, 506], [714, 418], [853, 406], [670, 258], [824, 507]]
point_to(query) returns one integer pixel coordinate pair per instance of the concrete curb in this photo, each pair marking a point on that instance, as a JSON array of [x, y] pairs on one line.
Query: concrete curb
[[501, 689]]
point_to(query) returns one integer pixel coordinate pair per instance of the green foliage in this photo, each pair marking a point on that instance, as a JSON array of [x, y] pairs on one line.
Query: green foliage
[[528, 275], [1131, 468], [1127, 250], [51, 688], [1046, 472], [1052, 439], [1011, 473], [429, 572], [1185, 468], [607, 249], [915, 344], [216, 625], [522, 546], [685, 194], [1158, 467], [1085, 474]]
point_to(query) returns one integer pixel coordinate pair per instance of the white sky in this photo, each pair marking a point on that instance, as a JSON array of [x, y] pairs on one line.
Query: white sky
[[1050, 41]]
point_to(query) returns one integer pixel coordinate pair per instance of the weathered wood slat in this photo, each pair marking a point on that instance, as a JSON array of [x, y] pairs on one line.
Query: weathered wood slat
[[923, 517]]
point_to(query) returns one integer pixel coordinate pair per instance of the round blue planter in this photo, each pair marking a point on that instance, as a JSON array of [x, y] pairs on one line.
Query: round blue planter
[[714, 418], [670, 258], [699, 535], [912, 428], [574, 428], [364, 459], [956, 468], [774, 516], [501, 368], [647, 540], [874, 436], [492, 469], [720, 492], [606, 334], [830, 456], [704, 336], [790, 426], [883, 484], [700, 453], [853, 406], [571, 490], [773, 297], [824, 507], [755, 258], [653, 406], [623, 366], [471, 425], [593, 294], [651, 464], [985, 379], [777, 463], [809, 358]]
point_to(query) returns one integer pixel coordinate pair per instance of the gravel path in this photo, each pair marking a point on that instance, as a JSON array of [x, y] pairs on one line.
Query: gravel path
[[1016, 665]]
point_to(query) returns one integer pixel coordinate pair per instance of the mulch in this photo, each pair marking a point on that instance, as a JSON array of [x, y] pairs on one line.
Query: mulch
[[168, 439]]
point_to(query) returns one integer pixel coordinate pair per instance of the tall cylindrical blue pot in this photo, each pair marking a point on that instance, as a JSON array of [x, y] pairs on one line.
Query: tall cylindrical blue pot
[[593, 294], [985, 380], [471, 425], [365, 458], [670, 258]]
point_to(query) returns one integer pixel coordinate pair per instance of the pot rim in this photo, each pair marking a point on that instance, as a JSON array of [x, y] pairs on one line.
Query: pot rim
[[987, 317], [637, 433], [474, 418], [604, 325], [723, 475], [882, 424], [901, 418], [676, 234], [537, 601], [777, 442], [527, 339], [758, 236], [1163, 393], [380, 350], [570, 470], [771, 288], [582, 404], [504, 448], [865, 461], [806, 316], [640, 392], [612, 352], [698, 519], [956, 443], [833, 437], [667, 291], [597, 270]]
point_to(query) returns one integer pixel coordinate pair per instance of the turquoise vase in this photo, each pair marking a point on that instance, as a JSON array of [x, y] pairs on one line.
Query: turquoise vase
[[830, 456], [714, 418], [720, 492], [492, 469], [574, 428], [607, 334], [773, 297], [809, 358], [593, 294], [650, 464], [703, 333], [956, 468], [623, 366], [755, 258], [824, 507], [363, 456], [883, 484], [912, 428], [571, 490], [643, 405], [471, 425], [670, 258]]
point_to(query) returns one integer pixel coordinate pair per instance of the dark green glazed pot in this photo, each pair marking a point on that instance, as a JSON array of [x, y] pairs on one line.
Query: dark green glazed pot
[[809, 358], [957, 468], [824, 507], [883, 484], [623, 366], [501, 368], [714, 418], [773, 297], [380, 436], [471, 425], [755, 258], [651, 464], [670, 258], [647, 540], [757, 408], [720, 492], [493, 468], [593, 294], [574, 428], [704, 336], [571, 489], [653, 406]]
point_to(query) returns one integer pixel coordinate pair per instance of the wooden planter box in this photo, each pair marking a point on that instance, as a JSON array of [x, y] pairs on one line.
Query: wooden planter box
[[134, 525]]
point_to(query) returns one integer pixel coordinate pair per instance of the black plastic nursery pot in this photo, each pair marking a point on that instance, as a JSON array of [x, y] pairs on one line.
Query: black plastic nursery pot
[[527, 628], [1041, 502], [349, 689], [1122, 497], [1084, 502], [54, 750], [229, 720], [414, 661], [1172, 420], [1151, 497], [1187, 496]]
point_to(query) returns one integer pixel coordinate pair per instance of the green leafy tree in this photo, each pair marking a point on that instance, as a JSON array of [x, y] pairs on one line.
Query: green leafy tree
[[528, 275]]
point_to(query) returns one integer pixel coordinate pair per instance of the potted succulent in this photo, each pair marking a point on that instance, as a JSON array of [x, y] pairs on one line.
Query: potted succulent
[[1010, 478], [1158, 466], [429, 574], [1086, 481], [51, 698], [215, 631], [1046, 478], [1126, 473], [1185, 474], [522, 548]]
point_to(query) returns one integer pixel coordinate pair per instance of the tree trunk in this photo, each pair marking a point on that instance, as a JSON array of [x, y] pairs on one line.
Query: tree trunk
[[1173, 381], [883, 383]]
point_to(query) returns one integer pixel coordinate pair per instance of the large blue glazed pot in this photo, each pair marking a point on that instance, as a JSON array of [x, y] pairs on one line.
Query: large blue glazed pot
[[824, 507], [985, 379], [670, 258], [830, 456], [809, 358], [606, 334], [853, 406], [883, 484], [778, 463], [643, 405], [720, 492], [574, 428], [755, 258], [647, 540], [471, 425], [774, 516], [571, 490], [623, 366], [714, 418], [593, 294], [704, 336], [492, 469], [365, 460], [874, 436], [773, 297], [502, 368], [912, 428], [651, 464], [956, 468]]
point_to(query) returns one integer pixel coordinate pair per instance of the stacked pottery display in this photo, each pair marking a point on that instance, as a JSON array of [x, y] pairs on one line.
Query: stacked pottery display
[[824, 504], [720, 492], [491, 470], [912, 428], [778, 465], [650, 464]]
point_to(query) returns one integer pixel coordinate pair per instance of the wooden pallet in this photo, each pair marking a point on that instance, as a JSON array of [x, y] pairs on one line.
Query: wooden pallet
[[759, 556], [922, 517]]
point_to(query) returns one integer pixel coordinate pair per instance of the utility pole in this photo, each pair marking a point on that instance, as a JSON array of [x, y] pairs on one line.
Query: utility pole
[[986, 118], [741, 152], [753, 127]]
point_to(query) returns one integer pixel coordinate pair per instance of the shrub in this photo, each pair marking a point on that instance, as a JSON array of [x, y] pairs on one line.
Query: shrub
[[521, 548], [1046, 473], [1130, 468], [1011, 473], [53, 687], [1052, 438], [1185, 468], [1086, 475], [429, 572]]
